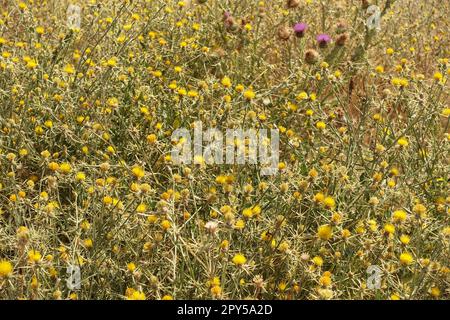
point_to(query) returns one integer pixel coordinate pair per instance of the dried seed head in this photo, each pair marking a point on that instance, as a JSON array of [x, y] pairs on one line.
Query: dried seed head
[[293, 3], [311, 56], [211, 227], [284, 33], [258, 281], [342, 39], [304, 256]]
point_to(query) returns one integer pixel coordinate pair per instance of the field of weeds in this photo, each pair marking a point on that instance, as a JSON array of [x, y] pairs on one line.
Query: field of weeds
[[93, 204]]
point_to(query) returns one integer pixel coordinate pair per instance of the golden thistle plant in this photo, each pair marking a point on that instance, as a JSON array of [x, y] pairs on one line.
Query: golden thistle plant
[[92, 205]]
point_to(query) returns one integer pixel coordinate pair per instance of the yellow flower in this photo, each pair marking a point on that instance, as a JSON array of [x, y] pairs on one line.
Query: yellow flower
[[321, 125], [318, 261], [34, 256], [346, 233], [400, 82], [302, 96], [325, 280], [45, 154], [80, 176], [405, 239], [446, 111], [216, 290], [438, 76], [389, 228], [31, 64], [226, 82], [406, 258], [131, 267], [151, 138], [88, 243], [256, 210], [446, 231], [248, 213], [399, 216], [107, 200], [319, 197], [325, 232], [69, 68], [6, 268], [34, 282], [402, 142], [192, 93], [39, 130], [395, 297], [178, 69], [65, 167], [435, 292], [138, 172], [141, 208], [249, 94], [240, 224], [136, 295], [22, 232], [213, 282], [420, 209], [224, 245], [329, 203], [165, 224], [379, 69], [239, 259], [111, 62], [152, 218], [113, 102], [22, 6]]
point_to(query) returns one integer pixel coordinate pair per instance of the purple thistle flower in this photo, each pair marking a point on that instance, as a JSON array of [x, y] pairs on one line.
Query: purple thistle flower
[[300, 29], [323, 40]]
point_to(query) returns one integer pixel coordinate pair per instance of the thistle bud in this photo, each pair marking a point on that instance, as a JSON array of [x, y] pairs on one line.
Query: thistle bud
[[293, 3], [284, 33], [342, 39], [365, 4], [341, 27], [229, 22], [311, 56]]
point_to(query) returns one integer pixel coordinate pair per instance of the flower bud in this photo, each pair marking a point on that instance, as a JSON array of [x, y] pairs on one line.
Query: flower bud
[[293, 3], [342, 39], [311, 56], [284, 33]]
